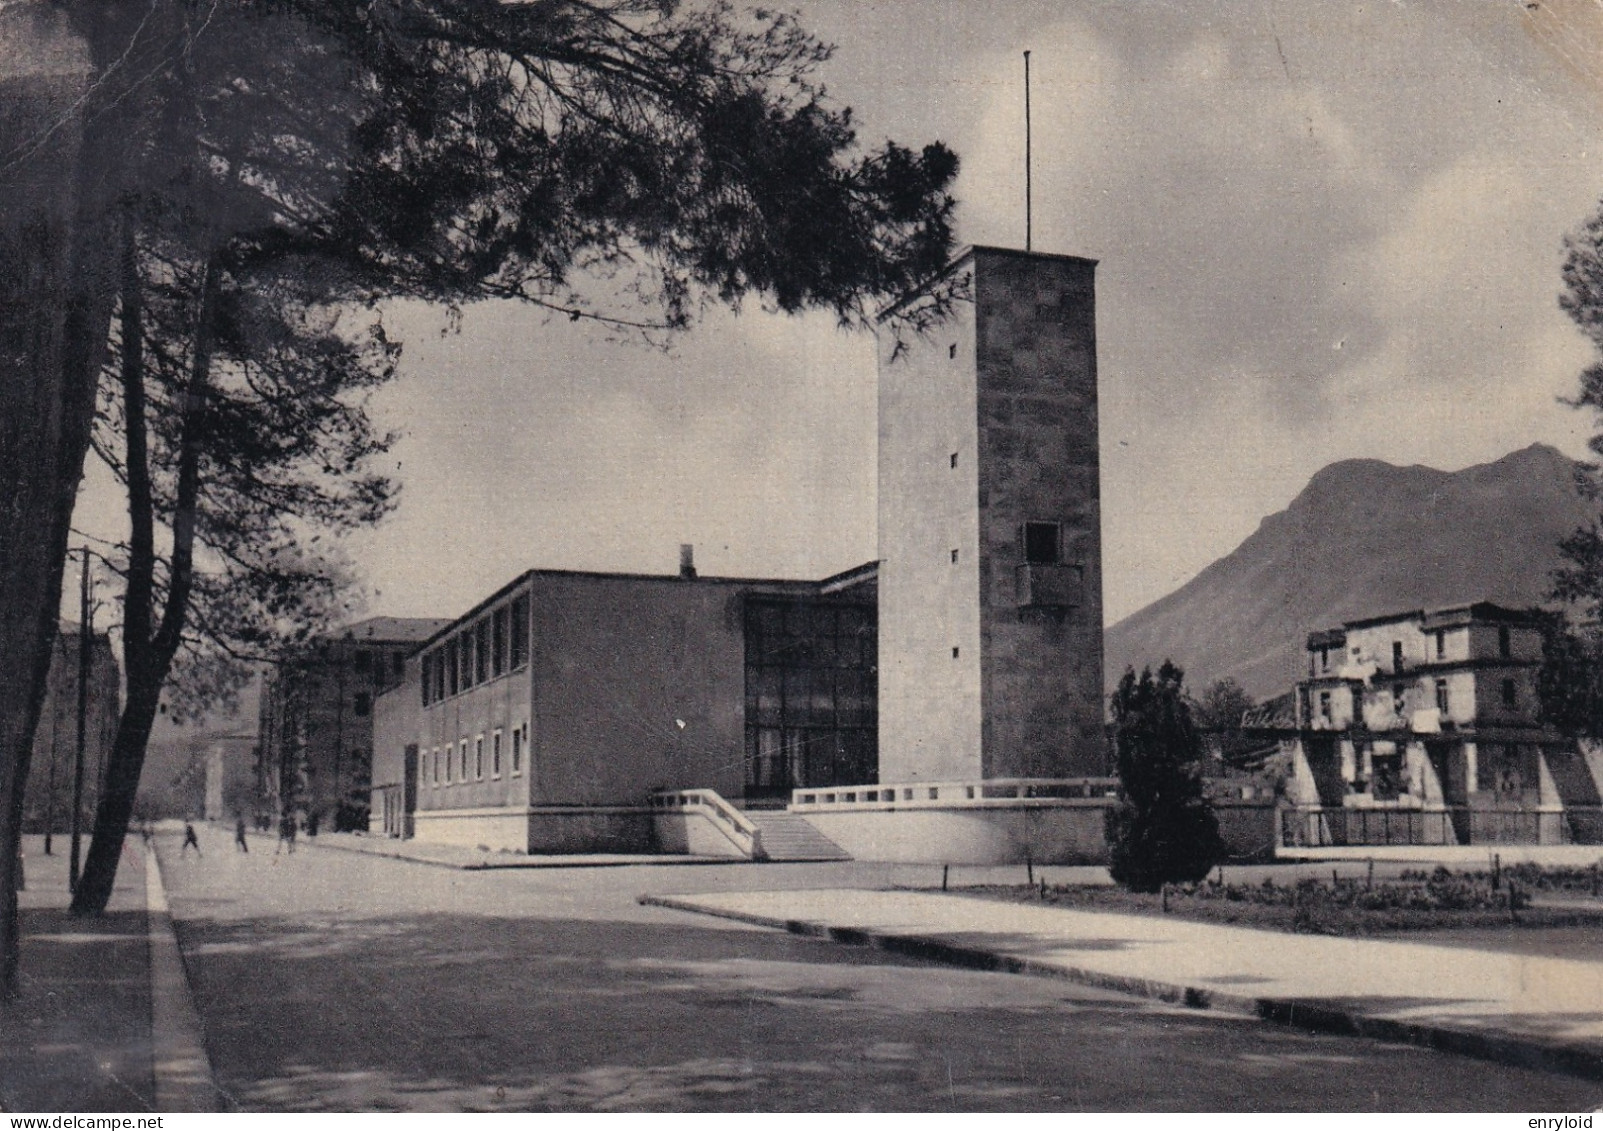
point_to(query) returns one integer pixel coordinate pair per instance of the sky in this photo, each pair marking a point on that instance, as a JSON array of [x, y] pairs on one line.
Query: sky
[[1324, 231]]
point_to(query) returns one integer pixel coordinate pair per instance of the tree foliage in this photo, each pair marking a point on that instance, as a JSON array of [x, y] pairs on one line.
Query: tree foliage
[[1579, 581], [1163, 830], [1217, 715], [620, 160]]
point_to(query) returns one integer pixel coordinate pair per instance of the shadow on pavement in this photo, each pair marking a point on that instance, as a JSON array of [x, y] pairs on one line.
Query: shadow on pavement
[[78, 1039], [431, 1011]]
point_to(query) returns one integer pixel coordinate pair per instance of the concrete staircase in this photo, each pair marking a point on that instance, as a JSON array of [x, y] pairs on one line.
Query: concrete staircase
[[788, 838]]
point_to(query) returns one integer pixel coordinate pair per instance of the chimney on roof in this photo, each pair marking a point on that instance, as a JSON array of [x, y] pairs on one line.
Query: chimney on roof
[[687, 560]]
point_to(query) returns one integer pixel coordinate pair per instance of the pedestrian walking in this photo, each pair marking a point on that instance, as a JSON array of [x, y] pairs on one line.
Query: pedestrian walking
[[239, 832], [190, 840], [286, 834]]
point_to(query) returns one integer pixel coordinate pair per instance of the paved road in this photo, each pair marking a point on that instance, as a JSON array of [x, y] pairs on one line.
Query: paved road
[[334, 981]]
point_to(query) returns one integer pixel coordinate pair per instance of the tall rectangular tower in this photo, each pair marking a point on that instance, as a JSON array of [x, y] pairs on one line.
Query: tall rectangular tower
[[990, 539]]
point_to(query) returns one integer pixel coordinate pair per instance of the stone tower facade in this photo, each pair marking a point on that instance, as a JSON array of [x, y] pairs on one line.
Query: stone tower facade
[[990, 584]]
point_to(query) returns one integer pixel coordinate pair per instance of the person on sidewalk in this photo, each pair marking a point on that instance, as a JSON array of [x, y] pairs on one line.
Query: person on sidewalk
[[239, 832], [190, 840], [286, 834]]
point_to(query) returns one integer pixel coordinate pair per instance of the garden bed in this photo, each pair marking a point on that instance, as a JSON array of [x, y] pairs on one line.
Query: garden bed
[[1416, 901]]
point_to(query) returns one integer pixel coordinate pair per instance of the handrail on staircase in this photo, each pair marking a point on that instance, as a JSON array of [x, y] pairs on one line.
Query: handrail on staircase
[[731, 821]]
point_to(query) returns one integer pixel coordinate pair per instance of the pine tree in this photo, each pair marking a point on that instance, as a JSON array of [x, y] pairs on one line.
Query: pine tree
[[1163, 830]]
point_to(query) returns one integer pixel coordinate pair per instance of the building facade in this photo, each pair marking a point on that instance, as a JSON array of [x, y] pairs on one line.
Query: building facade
[[315, 733], [990, 606], [1425, 727], [545, 718], [52, 770]]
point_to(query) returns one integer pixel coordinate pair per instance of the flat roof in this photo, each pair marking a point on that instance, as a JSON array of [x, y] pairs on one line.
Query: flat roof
[[793, 585], [963, 255]]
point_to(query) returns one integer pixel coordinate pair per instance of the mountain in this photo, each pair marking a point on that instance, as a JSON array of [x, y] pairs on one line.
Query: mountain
[[1364, 538]]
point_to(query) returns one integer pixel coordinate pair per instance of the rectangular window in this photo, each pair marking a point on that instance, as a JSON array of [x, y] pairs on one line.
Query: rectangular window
[[470, 640], [498, 645], [452, 682], [362, 704], [1441, 696], [1503, 648], [520, 632], [1511, 695], [427, 682], [1324, 705], [1399, 699], [1042, 543], [462, 757], [362, 660], [398, 664], [481, 634], [517, 750], [436, 774], [448, 760], [478, 758], [1441, 643], [1397, 655], [1324, 659], [495, 754]]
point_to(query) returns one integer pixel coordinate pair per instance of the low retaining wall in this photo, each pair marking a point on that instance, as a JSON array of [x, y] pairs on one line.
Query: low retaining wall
[[495, 829], [1045, 832], [1251, 829], [692, 833], [1057, 831], [542, 831]]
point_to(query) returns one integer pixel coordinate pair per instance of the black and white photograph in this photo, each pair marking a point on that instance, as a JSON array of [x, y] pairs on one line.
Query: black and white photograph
[[683, 556]]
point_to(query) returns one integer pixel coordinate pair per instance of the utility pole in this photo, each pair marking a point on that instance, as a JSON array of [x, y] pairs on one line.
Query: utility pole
[[50, 791], [83, 713], [1027, 175]]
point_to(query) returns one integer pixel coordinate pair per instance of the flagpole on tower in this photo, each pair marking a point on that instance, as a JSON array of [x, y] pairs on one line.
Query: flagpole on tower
[[1027, 185]]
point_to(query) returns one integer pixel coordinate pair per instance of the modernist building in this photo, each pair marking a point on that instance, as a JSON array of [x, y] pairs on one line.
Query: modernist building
[[316, 720], [544, 718], [1424, 727], [47, 802], [961, 676]]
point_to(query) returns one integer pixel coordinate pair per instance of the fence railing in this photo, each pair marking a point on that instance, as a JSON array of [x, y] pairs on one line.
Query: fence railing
[[993, 791], [1336, 827], [734, 824]]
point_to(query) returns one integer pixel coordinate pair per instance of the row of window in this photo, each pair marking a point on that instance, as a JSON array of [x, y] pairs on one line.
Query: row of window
[[1504, 649], [497, 643], [470, 759], [1509, 690]]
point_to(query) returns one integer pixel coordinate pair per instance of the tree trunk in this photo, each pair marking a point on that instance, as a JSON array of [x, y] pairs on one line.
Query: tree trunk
[[51, 304], [67, 120], [148, 657]]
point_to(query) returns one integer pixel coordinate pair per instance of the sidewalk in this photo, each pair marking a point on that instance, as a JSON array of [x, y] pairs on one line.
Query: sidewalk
[[1527, 1010], [470, 859], [79, 1037], [1459, 857]]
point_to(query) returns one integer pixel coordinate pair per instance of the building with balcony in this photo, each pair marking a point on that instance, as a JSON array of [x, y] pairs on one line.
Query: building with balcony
[[1425, 727]]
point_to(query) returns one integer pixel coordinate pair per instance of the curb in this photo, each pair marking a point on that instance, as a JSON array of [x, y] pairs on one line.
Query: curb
[[182, 1071], [531, 862], [1317, 1016]]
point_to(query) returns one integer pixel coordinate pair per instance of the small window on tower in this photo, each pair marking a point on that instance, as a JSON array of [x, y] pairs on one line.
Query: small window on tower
[[951, 350], [954, 459], [362, 705], [1503, 648], [1042, 543]]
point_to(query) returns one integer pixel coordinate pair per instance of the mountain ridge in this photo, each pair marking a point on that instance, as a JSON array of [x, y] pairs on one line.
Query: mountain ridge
[[1362, 538]]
